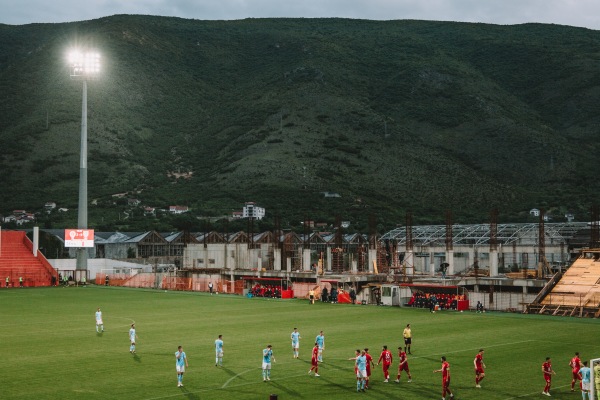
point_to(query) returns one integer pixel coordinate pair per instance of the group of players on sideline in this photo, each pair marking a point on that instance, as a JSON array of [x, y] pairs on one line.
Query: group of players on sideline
[[580, 372], [363, 362]]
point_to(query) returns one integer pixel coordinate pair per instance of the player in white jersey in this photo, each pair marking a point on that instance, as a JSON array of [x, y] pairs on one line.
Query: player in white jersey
[[295, 336], [132, 337], [181, 363], [219, 351], [99, 323]]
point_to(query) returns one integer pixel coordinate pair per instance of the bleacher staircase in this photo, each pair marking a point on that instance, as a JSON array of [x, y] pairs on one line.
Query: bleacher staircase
[[575, 293], [17, 260]]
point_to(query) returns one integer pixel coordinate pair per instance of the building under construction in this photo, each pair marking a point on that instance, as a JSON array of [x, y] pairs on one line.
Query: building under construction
[[504, 266]]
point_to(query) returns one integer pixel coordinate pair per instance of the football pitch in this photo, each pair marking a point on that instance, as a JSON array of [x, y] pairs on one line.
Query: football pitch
[[50, 348]]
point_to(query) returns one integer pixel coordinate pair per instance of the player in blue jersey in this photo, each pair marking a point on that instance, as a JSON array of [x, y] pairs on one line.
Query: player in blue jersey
[[219, 351], [320, 339], [295, 336], [361, 371], [99, 323], [266, 364], [585, 375], [181, 363], [132, 337]]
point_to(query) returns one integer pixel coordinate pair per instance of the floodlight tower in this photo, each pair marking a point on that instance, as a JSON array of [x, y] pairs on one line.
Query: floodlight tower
[[83, 66]]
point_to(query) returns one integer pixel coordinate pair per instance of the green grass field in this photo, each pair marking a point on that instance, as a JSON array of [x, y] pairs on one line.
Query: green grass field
[[50, 348]]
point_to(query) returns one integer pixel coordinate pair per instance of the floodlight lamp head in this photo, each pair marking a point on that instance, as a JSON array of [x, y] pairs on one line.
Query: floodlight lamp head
[[84, 64]]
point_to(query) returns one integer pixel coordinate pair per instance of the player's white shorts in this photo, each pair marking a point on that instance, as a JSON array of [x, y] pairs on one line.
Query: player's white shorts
[[99, 322], [132, 340], [361, 373], [295, 345], [180, 368], [219, 353], [585, 386], [266, 365]]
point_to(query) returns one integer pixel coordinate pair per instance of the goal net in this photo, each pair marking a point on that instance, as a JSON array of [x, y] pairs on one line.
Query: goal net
[[595, 379]]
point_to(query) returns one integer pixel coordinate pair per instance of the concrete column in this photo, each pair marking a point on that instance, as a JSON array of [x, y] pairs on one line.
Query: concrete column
[[36, 240], [409, 262], [471, 257], [328, 259], [493, 262], [450, 261], [432, 263], [353, 266], [372, 258], [305, 259], [288, 265], [277, 259]]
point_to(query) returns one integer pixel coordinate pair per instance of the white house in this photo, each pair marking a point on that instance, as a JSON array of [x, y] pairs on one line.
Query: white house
[[534, 212], [149, 211], [178, 209], [251, 210], [570, 217]]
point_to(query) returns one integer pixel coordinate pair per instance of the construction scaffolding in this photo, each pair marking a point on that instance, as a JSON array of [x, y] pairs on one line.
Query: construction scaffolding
[[479, 234]]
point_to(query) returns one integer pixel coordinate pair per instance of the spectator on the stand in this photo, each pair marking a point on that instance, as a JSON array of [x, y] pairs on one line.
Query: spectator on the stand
[[333, 295], [352, 295], [324, 295]]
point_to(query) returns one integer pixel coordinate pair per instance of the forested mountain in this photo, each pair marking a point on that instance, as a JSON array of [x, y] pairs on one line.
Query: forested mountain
[[394, 116]]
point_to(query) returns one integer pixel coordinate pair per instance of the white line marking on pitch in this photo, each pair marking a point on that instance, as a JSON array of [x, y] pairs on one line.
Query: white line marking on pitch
[[187, 393], [233, 377], [531, 394], [477, 348]]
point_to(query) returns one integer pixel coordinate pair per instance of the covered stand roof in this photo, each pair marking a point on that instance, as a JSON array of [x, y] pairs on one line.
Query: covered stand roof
[[479, 234]]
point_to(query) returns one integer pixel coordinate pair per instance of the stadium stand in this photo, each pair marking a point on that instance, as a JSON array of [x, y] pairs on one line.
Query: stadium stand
[[17, 261], [574, 293]]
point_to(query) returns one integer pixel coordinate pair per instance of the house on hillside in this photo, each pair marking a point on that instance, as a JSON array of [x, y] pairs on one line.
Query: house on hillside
[[178, 209], [251, 210], [10, 218], [534, 212], [25, 218], [570, 217], [49, 206]]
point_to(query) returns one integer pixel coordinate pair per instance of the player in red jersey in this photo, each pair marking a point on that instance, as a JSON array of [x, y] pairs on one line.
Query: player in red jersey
[[314, 360], [369, 363], [403, 366], [548, 372], [575, 365], [445, 370], [479, 368], [386, 356]]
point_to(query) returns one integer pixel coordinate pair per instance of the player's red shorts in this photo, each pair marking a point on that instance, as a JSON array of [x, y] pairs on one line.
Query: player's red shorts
[[479, 371], [404, 367], [314, 362], [446, 383], [548, 378], [368, 370], [576, 375]]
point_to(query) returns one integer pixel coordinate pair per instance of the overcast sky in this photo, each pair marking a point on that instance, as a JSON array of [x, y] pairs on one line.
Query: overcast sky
[[582, 13]]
